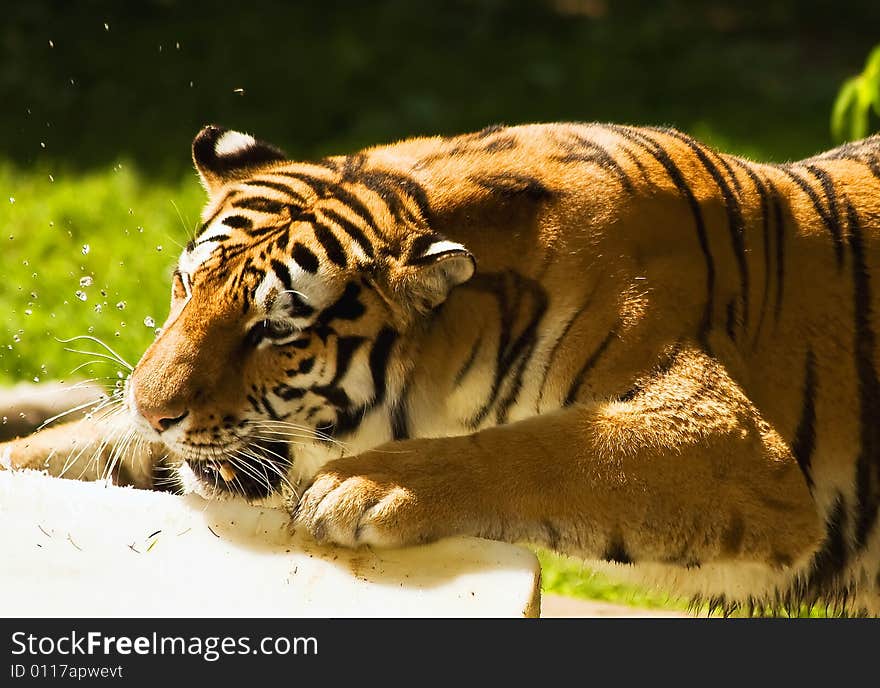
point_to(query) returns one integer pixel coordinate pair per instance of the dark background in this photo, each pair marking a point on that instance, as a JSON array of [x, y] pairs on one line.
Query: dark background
[[318, 77]]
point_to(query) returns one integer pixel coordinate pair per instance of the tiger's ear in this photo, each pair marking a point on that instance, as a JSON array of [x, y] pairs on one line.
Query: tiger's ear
[[222, 155], [432, 268]]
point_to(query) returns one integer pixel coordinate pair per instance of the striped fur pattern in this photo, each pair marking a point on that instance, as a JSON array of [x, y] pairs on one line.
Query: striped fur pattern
[[612, 341]]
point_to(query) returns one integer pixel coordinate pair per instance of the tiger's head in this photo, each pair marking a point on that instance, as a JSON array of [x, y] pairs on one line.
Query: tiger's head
[[290, 312]]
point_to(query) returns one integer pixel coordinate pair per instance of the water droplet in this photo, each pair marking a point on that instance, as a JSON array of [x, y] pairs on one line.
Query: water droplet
[[119, 374], [116, 334], [42, 144], [157, 331], [51, 43], [159, 248], [121, 323], [51, 178], [149, 322], [121, 305], [12, 199], [36, 379], [106, 26], [239, 91], [85, 281], [81, 295], [103, 292], [33, 295], [85, 249], [11, 237], [5, 420], [98, 308], [28, 311], [16, 338]]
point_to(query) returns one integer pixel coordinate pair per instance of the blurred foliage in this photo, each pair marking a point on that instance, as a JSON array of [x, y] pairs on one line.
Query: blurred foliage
[[97, 80], [858, 98]]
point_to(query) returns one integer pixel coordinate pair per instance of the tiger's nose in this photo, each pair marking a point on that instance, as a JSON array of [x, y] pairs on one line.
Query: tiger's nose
[[162, 419]]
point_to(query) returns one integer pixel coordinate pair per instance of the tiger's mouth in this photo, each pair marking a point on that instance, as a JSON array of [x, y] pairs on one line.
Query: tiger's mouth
[[255, 473]]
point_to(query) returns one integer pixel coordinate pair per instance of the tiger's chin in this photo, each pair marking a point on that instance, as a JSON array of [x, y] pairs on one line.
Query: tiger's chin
[[258, 474]]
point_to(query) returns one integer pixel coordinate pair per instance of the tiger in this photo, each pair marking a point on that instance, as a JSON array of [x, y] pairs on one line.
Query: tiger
[[611, 341]]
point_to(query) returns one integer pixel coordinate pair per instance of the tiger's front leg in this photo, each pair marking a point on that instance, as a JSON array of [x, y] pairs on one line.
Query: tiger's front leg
[[684, 475]]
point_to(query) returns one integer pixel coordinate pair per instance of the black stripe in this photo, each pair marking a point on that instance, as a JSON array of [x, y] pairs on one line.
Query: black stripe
[[347, 307], [469, 361], [558, 343], [831, 559], [833, 215], [735, 222], [379, 357], [288, 393], [305, 258], [616, 551], [355, 205], [510, 185], [761, 188], [332, 247], [283, 273], [399, 418], [277, 186], [513, 353], [255, 405], [345, 351], [393, 188], [259, 204], [530, 339], [829, 223], [804, 442], [351, 229], [868, 464], [315, 184], [661, 156], [500, 143], [273, 414], [237, 222], [212, 238], [587, 367], [779, 223], [730, 325], [597, 155]]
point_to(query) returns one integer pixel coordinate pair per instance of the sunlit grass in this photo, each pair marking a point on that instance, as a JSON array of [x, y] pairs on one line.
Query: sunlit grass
[[87, 254], [569, 576]]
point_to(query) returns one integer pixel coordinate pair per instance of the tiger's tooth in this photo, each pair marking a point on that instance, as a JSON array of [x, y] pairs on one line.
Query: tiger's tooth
[[226, 471]]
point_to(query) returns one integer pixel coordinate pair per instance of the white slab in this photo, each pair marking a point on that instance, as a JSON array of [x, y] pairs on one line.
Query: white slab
[[76, 549]]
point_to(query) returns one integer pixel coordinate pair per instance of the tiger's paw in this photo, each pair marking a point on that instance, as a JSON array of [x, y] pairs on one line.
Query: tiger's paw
[[372, 507]]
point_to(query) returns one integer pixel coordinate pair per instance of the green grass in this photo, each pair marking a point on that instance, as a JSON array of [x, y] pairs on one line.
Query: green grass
[[53, 287], [568, 576]]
